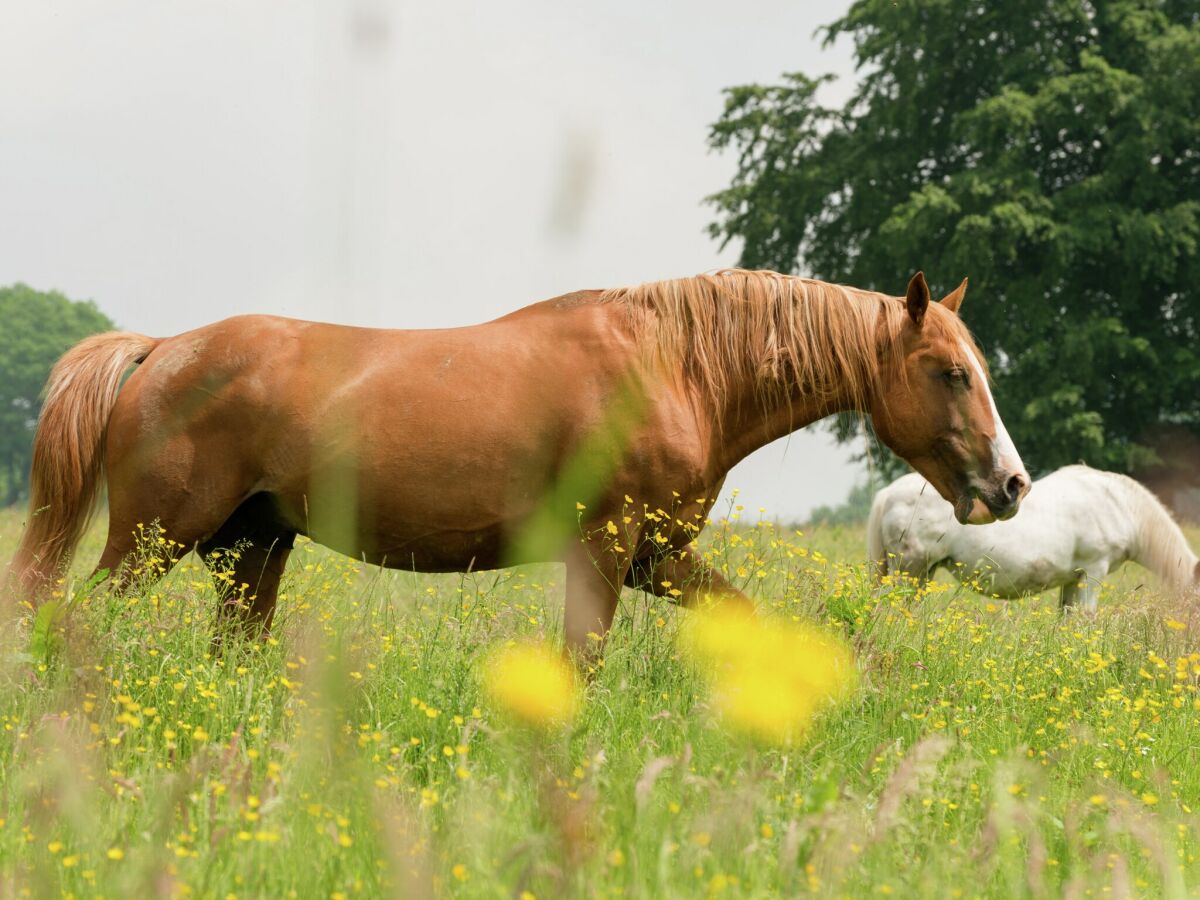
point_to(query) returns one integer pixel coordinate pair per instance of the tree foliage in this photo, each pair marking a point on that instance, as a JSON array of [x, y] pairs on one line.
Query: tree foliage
[[1047, 149], [35, 329]]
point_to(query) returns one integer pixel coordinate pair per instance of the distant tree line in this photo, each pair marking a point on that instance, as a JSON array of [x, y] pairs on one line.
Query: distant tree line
[[1047, 149], [36, 328], [851, 511]]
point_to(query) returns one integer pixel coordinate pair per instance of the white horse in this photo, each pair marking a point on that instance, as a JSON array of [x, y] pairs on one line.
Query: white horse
[[1077, 525]]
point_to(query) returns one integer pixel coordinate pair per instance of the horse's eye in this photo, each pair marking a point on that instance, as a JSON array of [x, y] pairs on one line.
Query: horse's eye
[[957, 377]]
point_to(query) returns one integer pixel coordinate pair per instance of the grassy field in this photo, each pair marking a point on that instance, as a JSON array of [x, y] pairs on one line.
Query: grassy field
[[989, 748]]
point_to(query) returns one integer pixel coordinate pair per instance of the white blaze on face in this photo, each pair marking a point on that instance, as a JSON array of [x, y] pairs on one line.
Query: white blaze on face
[[1004, 452]]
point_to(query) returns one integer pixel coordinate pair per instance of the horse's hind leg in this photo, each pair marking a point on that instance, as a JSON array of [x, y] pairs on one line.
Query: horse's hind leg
[[121, 552], [153, 517], [254, 546]]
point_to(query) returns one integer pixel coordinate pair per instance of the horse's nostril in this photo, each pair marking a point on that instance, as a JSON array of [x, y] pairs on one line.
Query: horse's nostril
[[1014, 486]]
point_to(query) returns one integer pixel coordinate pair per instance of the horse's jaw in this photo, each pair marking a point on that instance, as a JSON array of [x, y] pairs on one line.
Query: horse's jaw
[[979, 514], [964, 507], [971, 510]]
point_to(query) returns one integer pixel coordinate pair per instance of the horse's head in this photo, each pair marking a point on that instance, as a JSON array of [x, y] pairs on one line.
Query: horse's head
[[935, 409]]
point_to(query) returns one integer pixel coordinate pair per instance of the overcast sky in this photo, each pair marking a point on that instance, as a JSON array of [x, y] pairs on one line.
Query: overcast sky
[[387, 164]]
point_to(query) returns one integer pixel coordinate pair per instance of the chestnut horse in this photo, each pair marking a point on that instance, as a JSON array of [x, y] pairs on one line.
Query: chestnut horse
[[436, 450]]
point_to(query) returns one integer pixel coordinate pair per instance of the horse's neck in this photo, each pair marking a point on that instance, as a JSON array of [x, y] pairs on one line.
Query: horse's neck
[[1159, 544], [749, 424]]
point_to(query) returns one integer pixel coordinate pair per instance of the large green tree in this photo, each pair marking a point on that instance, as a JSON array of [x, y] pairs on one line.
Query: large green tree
[[1048, 149], [35, 329]]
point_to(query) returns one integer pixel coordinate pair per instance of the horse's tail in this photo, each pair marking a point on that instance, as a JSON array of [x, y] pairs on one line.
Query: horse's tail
[[68, 451], [876, 553], [1160, 544]]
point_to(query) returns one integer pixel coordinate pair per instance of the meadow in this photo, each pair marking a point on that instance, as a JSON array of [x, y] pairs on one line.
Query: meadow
[[988, 748]]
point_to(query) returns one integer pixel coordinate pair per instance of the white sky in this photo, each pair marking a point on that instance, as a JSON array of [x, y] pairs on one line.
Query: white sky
[[391, 164]]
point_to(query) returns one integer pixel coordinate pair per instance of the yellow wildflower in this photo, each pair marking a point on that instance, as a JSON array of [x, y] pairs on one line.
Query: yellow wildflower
[[533, 683], [769, 678]]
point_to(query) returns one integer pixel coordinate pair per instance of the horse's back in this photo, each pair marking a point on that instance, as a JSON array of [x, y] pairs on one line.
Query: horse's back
[[277, 362], [1090, 504], [252, 374]]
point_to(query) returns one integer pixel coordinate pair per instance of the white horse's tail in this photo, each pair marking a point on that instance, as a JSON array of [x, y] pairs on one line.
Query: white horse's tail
[[1160, 544], [876, 553]]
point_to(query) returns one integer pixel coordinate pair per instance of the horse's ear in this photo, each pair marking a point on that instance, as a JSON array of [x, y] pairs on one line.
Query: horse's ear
[[953, 300], [917, 298]]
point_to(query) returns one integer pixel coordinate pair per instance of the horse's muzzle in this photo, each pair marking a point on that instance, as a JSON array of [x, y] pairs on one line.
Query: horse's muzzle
[[1002, 497]]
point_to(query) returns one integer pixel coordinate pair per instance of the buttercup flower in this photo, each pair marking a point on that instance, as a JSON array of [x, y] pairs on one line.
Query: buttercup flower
[[769, 678], [533, 683]]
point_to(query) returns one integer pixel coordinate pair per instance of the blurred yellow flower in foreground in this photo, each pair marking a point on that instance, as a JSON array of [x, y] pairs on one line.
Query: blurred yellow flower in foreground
[[769, 678], [533, 683]]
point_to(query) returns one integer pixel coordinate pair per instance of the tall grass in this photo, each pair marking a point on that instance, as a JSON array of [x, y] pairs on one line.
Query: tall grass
[[990, 749]]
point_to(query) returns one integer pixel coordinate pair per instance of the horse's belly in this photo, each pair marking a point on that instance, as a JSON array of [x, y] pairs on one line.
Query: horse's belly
[[429, 550], [1017, 578]]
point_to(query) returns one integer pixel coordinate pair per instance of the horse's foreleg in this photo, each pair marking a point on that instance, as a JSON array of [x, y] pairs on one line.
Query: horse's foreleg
[[593, 589], [683, 577], [1083, 591], [1090, 592], [1067, 596]]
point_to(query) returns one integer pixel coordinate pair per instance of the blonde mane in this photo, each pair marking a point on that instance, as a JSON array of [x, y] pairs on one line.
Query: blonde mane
[[737, 329]]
